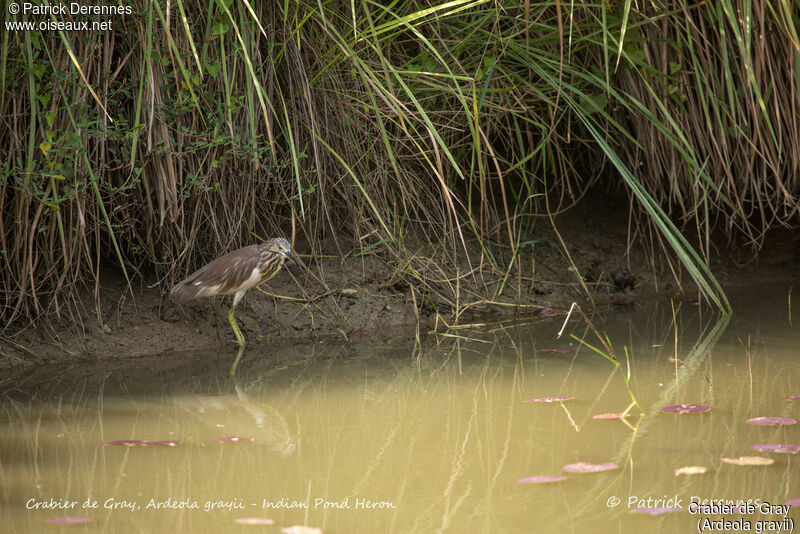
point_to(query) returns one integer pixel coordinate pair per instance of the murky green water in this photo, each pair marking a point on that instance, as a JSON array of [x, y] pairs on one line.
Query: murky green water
[[385, 435]]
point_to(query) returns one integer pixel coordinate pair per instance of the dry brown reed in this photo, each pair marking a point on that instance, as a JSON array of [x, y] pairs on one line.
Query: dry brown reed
[[424, 132]]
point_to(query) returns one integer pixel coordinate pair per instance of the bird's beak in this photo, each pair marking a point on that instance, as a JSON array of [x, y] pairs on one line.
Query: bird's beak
[[294, 259]]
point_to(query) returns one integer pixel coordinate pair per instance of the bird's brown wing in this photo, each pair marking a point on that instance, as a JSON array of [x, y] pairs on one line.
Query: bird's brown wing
[[222, 276]]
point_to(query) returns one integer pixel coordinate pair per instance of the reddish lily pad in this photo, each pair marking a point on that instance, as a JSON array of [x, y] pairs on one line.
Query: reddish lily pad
[[777, 447], [231, 439], [298, 529], [654, 510], [141, 443], [67, 520], [771, 421], [555, 351], [541, 479], [125, 442], [749, 460], [254, 521], [691, 470], [685, 408], [585, 467], [611, 415], [550, 399]]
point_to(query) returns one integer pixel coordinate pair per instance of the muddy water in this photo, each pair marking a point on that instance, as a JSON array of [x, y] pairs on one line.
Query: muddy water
[[388, 435]]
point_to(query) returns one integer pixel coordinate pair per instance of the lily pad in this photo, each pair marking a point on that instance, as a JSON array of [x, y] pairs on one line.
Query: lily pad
[[141, 443], [550, 399], [654, 510], [298, 529], [585, 467], [771, 421], [611, 415], [125, 442], [749, 460], [777, 447], [67, 520], [541, 479], [231, 439], [685, 408], [691, 470], [254, 521]]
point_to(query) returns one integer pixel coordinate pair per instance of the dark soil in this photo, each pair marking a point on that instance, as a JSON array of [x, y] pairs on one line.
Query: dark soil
[[365, 295]]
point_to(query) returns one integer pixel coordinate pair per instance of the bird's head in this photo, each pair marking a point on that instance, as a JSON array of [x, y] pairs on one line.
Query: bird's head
[[281, 246]]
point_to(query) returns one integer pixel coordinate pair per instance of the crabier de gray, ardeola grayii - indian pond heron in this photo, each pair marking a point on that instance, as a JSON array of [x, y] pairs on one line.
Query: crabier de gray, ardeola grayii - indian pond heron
[[236, 272]]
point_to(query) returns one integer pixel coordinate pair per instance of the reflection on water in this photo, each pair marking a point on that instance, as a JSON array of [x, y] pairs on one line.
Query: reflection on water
[[387, 436]]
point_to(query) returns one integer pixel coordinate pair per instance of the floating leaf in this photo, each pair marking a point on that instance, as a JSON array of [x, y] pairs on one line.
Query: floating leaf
[[555, 351], [685, 408], [691, 470], [541, 479], [297, 529], [550, 399], [141, 443], [654, 511], [775, 447], [254, 521], [67, 520], [231, 439], [749, 460], [611, 415], [585, 467], [771, 421]]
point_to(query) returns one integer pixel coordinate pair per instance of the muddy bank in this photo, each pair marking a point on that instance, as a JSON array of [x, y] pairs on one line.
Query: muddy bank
[[291, 305], [355, 296]]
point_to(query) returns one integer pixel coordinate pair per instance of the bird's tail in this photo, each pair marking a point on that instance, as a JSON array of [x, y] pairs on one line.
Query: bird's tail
[[183, 292]]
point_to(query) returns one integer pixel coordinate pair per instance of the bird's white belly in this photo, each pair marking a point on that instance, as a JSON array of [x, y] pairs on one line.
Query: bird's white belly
[[255, 277]]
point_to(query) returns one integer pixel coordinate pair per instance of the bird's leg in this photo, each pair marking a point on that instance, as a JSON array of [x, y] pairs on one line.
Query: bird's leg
[[236, 331], [233, 370]]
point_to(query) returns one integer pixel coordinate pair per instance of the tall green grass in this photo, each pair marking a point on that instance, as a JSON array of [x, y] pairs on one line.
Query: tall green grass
[[421, 131]]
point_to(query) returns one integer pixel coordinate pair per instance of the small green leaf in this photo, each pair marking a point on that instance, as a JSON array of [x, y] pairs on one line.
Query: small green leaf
[[596, 103], [213, 69], [38, 71], [220, 27]]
